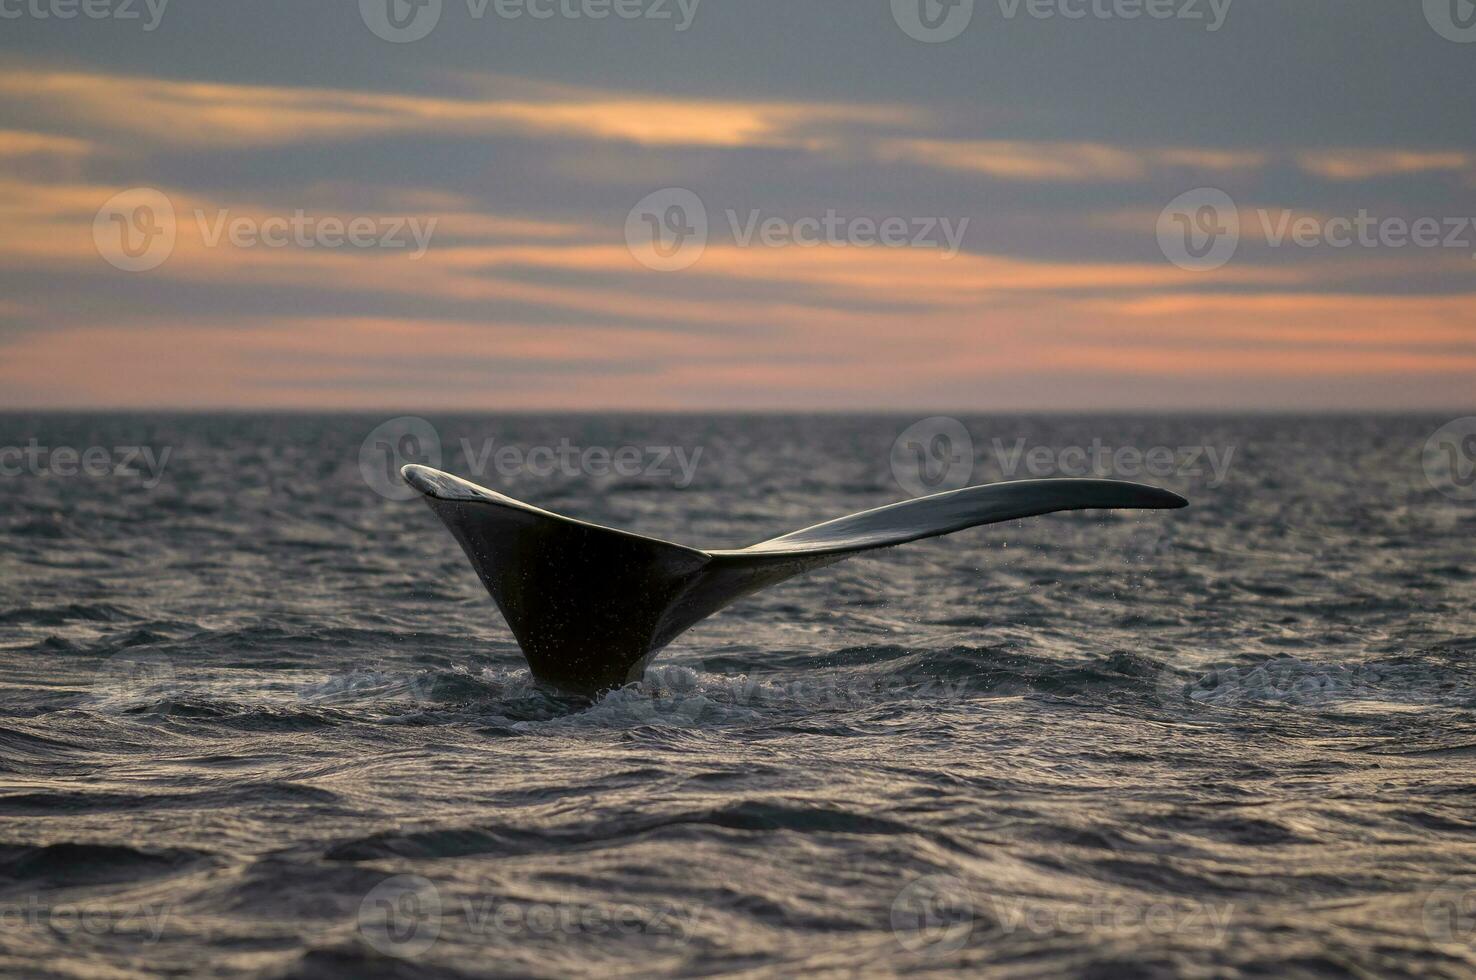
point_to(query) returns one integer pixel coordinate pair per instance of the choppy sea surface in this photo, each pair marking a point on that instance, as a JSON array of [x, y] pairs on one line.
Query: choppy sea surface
[[259, 718]]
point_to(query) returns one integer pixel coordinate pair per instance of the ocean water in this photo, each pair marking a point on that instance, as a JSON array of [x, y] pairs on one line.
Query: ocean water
[[261, 720]]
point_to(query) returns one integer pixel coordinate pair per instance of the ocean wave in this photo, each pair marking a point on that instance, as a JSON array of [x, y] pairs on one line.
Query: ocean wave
[[70, 864]]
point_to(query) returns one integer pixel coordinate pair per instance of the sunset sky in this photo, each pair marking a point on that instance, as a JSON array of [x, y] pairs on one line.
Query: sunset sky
[[520, 146]]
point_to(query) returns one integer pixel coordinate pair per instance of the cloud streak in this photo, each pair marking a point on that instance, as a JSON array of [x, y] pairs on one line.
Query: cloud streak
[[1368, 164], [1019, 160], [527, 295], [214, 114]]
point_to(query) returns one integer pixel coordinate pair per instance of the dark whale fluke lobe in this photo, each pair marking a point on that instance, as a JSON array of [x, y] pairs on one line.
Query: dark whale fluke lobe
[[590, 606]]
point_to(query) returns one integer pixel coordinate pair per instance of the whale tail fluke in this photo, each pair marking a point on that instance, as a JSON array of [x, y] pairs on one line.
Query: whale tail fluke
[[590, 605]]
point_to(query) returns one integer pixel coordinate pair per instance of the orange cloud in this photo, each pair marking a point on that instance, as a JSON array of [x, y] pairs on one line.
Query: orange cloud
[[193, 113], [1053, 161], [837, 357], [18, 143], [1248, 361], [1321, 334], [487, 258], [1370, 163]]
